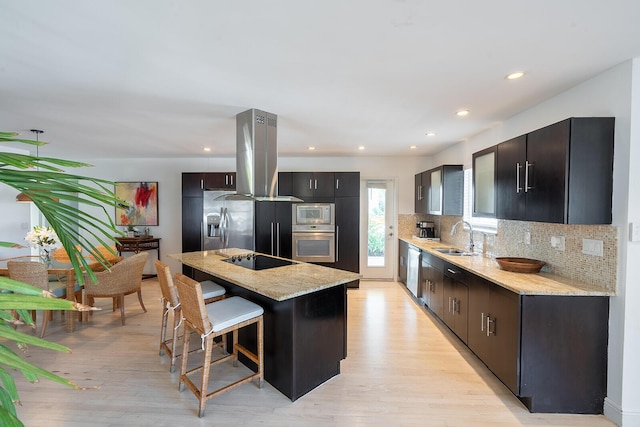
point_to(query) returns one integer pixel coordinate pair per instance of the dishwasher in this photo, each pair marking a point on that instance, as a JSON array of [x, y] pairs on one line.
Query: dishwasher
[[413, 271]]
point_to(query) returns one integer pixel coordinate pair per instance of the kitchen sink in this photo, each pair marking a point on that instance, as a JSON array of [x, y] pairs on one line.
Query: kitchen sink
[[454, 252]]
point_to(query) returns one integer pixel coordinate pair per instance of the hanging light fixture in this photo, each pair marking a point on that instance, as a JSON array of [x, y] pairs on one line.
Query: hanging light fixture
[[21, 197]]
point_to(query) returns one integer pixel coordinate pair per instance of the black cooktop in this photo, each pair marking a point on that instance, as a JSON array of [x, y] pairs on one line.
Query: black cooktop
[[257, 262]]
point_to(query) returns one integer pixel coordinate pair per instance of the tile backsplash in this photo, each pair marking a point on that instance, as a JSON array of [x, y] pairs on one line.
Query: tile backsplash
[[510, 241]]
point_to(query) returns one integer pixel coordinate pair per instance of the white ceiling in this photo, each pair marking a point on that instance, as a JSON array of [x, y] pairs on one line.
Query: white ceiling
[[160, 78]]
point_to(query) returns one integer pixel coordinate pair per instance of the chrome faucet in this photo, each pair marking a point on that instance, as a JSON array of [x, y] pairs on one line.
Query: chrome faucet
[[453, 230]]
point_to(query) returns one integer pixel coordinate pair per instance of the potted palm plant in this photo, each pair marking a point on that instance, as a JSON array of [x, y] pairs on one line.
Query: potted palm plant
[[43, 181]]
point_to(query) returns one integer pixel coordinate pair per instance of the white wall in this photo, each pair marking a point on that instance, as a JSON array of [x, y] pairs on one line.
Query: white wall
[[609, 94]]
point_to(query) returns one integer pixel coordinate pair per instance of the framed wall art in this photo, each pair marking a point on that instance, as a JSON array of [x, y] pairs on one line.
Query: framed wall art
[[142, 198]]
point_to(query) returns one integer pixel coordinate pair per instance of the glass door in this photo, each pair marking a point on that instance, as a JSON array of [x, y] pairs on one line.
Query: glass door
[[377, 258]]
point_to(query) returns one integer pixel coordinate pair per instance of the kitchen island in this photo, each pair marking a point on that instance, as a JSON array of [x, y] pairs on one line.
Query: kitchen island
[[305, 315]]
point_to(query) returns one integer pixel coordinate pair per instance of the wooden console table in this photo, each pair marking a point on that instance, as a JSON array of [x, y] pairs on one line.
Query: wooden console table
[[136, 245]]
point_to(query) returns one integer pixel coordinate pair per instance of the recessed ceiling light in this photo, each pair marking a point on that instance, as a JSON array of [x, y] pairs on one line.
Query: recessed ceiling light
[[515, 75], [311, 148], [462, 113], [431, 134], [361, 147], [413, 147], [207, 149]]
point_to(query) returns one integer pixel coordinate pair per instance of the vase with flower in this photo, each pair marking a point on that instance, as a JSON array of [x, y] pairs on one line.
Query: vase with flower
[[45, 240]]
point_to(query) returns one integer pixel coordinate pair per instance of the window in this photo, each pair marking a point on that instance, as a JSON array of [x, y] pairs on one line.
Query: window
[[485, 225]]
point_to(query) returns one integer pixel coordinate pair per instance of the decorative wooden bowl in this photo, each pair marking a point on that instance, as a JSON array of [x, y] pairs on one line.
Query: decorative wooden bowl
[[520, 265]]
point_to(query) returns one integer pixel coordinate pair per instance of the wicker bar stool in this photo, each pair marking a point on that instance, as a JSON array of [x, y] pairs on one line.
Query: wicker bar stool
[[210, 321], [211, 292]]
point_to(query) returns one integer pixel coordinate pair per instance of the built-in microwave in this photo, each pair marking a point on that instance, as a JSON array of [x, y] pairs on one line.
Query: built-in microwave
[[313, 214], [313, 232]]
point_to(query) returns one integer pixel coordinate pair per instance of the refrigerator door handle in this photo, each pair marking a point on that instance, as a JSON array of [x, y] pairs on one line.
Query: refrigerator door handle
[[224, 236]]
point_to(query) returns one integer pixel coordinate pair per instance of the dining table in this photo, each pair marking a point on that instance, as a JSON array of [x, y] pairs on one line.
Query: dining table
[[65, 273]]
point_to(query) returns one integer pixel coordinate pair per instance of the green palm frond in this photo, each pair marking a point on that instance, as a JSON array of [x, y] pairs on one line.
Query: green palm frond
[[45, 182]]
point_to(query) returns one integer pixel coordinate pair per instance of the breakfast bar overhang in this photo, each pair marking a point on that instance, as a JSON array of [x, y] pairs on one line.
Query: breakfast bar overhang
[[305, 315]]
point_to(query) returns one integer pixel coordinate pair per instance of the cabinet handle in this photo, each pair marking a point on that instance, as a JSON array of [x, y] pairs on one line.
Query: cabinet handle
[[337, 243], [231, 179], [526, 176], [272, 253], [337, 183], [449, 305], [481, 322], [315, 187], [452, 271], [310, 184], [489, 322], [277, 239], [226, 180], [518, 167], [202, 184]]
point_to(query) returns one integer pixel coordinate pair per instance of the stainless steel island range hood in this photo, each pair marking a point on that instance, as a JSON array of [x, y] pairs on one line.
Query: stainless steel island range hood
[[257, 156]]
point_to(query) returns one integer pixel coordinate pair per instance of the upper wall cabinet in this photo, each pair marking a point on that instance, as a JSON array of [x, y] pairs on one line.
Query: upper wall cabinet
[[346, 184], [440, 191], [446, 190], [484, 182], [562, 173], [422, 182], [313, 186]]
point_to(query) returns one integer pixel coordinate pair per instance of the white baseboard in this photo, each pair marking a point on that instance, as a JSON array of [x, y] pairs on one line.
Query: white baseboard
[[616, 415]]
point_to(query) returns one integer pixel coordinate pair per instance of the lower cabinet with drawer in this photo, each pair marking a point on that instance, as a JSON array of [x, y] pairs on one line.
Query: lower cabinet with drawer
[[549, 350], [456, 300]]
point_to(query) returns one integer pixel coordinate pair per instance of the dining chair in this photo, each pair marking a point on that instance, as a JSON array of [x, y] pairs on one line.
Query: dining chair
[[110, 253], [211, 292], [211, 321], [123, 278], [35, 273], [61, 256]]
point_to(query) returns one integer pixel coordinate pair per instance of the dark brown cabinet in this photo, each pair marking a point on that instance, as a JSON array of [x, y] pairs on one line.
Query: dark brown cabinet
[[484, 182], [285, 183], [403, 257], [194, 183], [422, 181], [313, 186], [346, 184], [347, 201], [562, 173], [456, 300], [433, 283], [220, 181], [440, 191], [348, 233], [273, 228], [192, 208], [510, 195], [494, 329]]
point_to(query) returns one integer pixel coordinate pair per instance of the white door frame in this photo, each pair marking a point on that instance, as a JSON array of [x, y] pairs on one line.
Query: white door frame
[[391, 210]]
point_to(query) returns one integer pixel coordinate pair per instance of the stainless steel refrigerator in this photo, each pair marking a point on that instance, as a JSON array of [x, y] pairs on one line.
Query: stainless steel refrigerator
[[228, 221]]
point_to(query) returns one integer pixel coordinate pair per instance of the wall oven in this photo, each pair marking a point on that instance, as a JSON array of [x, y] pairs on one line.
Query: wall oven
[[313, 232]]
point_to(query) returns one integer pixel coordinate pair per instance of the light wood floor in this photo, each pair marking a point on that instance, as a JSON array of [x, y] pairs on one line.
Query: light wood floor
[[403, 368]]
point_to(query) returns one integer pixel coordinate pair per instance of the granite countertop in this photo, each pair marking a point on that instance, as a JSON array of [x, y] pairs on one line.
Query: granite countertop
[[279, 283], [520, 283]]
